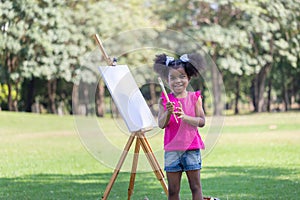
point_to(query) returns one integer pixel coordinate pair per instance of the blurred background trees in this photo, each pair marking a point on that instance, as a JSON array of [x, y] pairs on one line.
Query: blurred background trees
[[46, 50]]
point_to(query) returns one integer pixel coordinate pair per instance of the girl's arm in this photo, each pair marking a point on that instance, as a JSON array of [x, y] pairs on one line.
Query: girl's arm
[[198, 120], [164, 115]]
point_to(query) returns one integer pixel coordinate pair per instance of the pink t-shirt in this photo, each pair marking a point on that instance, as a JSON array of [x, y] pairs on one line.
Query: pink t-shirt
[[182, 136]]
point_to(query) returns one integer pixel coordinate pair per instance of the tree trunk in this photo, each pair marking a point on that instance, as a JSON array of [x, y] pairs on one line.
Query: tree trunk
[[284, 91], [11, 64], [153, 99], [30, 95], [15, 100], [9, 83], [285, 97], [86, 98], [269, 95], [9, 96], [237, 96], [216, 87], [152, 93], [260, 79], [100, 99], [113, 109], [253, 93], [284, 87], [75, 99], [51, 85], [259, 87]]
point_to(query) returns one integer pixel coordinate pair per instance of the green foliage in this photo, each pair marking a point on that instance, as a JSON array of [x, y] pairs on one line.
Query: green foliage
[[242, 36], [53, 39], [3, 93]]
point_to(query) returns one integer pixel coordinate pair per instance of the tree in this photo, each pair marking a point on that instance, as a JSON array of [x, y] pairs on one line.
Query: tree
[[242, 37], [110, 19], [273, 29], [13, 25], [47, 47], [212, 26], [34, 36]]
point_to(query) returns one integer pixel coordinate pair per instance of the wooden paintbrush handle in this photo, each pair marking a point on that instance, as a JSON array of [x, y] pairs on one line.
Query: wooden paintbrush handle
[[166, 95], [106, 57]]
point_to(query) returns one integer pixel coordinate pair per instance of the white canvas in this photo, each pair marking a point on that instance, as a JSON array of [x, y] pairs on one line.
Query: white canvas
[[128, 98]]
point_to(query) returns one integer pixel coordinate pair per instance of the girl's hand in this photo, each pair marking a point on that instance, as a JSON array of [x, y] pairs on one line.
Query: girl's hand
[[179, 113], [198, 120], [170, 107]]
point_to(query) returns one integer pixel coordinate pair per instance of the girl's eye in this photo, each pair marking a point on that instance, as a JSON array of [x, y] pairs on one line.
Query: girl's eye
[[180, 77]]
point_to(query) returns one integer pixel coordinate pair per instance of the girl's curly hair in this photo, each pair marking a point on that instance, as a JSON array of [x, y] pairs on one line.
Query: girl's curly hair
[[193, 64]]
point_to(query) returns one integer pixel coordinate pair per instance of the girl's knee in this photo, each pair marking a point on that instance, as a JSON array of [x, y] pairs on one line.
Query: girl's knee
[[195, 188], [173, 190]]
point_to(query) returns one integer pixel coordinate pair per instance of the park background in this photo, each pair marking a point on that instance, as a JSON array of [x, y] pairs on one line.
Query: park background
[[45, 59]]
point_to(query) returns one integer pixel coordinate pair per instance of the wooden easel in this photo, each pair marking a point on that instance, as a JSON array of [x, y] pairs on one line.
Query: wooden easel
[[141, 141]]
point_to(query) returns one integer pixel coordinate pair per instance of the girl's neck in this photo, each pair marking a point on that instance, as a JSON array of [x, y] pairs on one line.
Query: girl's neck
[[181, 95]]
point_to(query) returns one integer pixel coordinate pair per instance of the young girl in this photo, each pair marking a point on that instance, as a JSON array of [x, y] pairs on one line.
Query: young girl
[[182, 142]]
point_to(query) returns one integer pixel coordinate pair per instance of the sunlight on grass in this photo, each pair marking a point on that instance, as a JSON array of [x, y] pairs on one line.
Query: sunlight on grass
[[43, 157]]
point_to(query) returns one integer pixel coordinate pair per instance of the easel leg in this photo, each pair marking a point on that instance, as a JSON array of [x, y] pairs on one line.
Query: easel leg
[[119, 165], [153, 162], [134, 168]]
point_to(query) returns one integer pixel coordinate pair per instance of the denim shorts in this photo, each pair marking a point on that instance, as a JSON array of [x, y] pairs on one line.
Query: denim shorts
[[176, 161]]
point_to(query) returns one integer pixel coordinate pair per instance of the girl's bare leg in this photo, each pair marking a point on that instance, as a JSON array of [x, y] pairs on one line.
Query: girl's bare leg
[[174, 179], [195, 184]]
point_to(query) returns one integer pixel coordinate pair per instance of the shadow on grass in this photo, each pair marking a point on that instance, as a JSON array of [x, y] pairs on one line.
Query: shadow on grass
[[251, 182], [85, 186], [223, 182]]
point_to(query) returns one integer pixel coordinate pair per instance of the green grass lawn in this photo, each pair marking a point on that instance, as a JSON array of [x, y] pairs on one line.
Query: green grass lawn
[[257, 156]]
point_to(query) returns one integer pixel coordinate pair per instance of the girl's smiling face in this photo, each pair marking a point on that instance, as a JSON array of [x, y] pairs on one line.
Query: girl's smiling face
[[178, 81]]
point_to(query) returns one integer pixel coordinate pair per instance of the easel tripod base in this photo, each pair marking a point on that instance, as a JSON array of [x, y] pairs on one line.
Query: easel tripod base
[[141, 141]]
